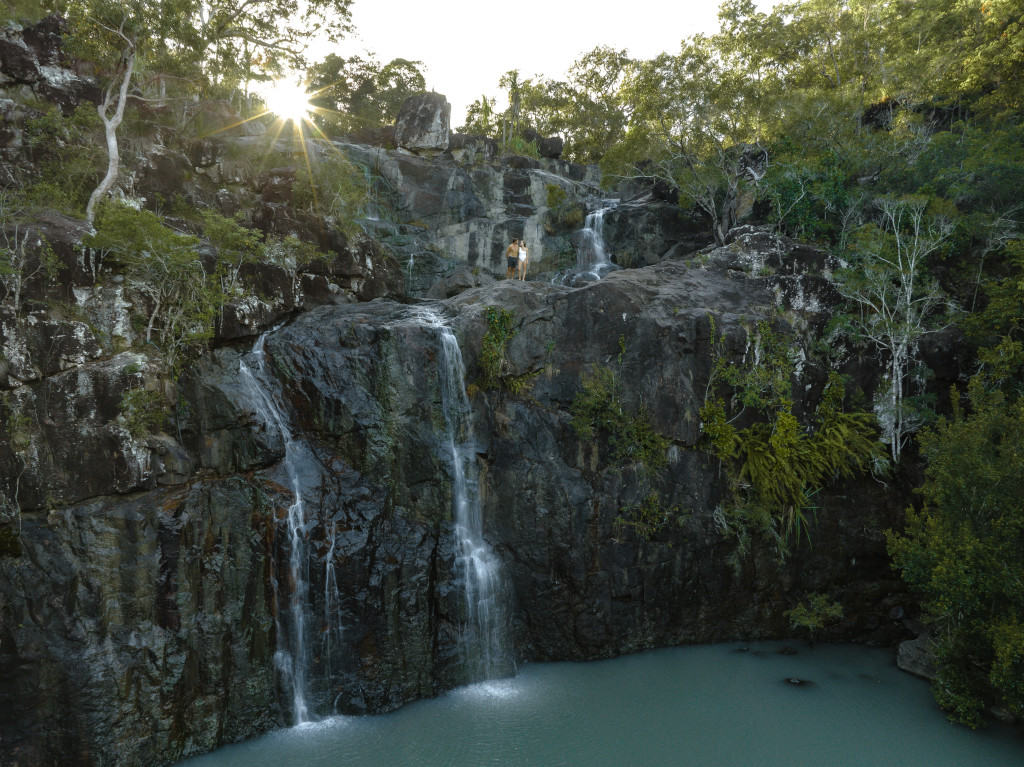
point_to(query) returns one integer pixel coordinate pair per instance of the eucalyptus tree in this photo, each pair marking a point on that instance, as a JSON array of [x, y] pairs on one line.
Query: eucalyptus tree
[[896, 301], [594, 115]]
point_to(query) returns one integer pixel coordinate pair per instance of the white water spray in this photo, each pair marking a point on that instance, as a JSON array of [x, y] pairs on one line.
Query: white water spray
[[292, 657], [592, 260], [484, 640], [593, 253]]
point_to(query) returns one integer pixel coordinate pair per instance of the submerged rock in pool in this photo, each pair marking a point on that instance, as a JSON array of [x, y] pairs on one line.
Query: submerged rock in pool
[[797, 682]]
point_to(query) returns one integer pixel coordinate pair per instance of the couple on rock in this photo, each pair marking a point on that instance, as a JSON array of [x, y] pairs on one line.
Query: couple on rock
[[517, 258]]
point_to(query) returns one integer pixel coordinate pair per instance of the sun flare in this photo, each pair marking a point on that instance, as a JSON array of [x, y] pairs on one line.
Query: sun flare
[[287, 100]]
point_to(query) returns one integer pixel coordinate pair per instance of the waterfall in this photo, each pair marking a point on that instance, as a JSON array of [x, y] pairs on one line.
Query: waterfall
[[592, 253], [484, 640], [292, 657]]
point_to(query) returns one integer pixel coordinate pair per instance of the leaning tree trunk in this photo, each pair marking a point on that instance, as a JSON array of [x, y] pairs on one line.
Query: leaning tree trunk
[[110, 125]]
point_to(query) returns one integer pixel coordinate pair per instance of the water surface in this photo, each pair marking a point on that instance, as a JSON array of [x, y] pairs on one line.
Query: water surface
[[723, 705]]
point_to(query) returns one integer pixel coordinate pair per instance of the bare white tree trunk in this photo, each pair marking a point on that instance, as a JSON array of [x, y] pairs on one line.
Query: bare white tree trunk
[[112, 99], [896, 299]]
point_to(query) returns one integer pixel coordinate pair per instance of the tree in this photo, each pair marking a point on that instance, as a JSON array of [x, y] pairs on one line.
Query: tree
[[480, 118], [357, 92], [964, 552], [511, 125], [592, 115], [24, 255], [692, 115], [895, 301]]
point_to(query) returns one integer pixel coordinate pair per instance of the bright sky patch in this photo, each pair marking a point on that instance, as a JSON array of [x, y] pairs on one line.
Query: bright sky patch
[[287, 100]]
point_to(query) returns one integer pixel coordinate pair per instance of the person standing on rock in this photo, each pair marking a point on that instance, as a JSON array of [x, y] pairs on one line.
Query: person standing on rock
[[524, 259], [511, 259]]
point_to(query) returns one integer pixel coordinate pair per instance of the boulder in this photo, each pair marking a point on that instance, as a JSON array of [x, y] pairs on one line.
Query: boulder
[[551, 147], [471, 150], [546, 147], [641, 232], [917, 656], [374, 135], [424, 123]]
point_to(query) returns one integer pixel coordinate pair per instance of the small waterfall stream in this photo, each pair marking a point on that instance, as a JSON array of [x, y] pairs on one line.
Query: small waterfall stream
[[293, 655], [592, 261], [593, 254], [484, 637]]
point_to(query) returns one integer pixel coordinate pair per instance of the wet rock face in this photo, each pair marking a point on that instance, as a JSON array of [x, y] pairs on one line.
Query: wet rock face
[[643, 231], [440, 214], [146, 585], [138, 630], [585, 585]]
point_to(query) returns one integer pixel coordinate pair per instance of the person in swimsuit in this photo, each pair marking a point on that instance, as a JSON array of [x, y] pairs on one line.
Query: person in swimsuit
[[511, 258], [524, 259]]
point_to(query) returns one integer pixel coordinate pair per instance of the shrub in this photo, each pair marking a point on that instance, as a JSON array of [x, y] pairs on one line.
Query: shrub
[[144, 412], [598, 410], [165, 266], [517, 145], [817, 613]]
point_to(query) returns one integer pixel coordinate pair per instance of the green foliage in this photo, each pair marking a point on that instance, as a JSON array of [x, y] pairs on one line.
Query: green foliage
[[67, 157], [647, 518], [165, 266], [291, 253], [359, 92], [517, 145], [776, 466], [24, 255], [480, 118], [236, 245], [556, 196], [762, 381], [22, 11], [599, 414], [896, 302], [810, 196], [10, 542], [563, 213], [144, 412], [598, 411], [333, 187], [494, 366], [817, 613], [964, 552], [1003, 315], [17, 425]]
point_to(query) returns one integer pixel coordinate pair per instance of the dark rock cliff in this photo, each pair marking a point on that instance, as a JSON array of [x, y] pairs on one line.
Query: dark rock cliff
[[158, 611]]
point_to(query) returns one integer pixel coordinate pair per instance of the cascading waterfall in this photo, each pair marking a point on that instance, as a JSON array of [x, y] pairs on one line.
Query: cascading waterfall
[[293, 654], [484, 639], [592, 254]]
